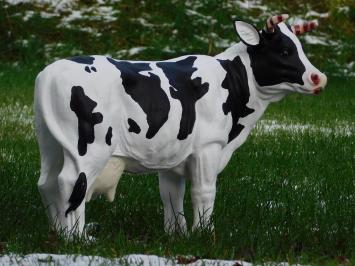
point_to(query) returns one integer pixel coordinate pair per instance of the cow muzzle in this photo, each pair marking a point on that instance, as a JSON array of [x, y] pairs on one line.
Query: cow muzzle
[[318, 82]]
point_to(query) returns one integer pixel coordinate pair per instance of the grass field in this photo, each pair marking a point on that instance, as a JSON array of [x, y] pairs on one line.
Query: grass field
[[288, 194]]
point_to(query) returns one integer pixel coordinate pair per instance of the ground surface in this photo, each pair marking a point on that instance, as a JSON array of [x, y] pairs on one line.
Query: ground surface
[[287, 195]]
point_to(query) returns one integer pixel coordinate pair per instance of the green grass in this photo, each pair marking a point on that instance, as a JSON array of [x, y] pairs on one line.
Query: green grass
[[283, 196]]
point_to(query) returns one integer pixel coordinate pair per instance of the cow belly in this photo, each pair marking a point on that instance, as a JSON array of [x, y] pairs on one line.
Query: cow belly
[[141, 156]]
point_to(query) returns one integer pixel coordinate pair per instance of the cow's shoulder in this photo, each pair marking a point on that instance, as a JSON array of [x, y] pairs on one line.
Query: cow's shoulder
[[143, 85]]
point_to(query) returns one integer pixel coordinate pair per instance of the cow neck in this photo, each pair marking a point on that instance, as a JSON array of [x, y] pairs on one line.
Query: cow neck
[[256, 101]]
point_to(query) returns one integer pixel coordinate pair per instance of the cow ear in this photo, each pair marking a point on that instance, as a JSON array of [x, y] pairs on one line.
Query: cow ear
[[247, 33]]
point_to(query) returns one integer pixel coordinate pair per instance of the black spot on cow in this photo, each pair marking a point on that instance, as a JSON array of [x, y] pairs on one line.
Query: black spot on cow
[[108, 136], [236, 82], [78, 193], [276, 60], [146, 91], [185, 89], [83, 106], [86, 60], [133, 126]]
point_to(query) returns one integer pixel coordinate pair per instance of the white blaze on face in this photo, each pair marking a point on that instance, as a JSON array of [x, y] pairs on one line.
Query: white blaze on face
[[313, 79]]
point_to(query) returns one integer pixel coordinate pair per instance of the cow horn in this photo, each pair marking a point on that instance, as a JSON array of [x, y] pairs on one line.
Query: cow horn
[[274, 20], [304, 27]]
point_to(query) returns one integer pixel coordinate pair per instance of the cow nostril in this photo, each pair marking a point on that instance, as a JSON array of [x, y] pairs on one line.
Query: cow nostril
[[315, 79]]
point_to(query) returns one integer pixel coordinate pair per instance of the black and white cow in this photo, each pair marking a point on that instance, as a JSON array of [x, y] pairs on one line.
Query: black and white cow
[[97, 117]]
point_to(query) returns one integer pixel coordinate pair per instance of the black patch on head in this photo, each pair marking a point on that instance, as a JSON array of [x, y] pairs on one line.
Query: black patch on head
[[236, 82], [146, 91], [87, 60], [93, 69], [108, 136], [78, 193], [87, 69], [83, 106], [133, 126], [184, 89], [276, 60]]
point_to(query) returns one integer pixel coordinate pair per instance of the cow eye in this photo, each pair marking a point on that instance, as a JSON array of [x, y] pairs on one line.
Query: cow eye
[[284, 53]]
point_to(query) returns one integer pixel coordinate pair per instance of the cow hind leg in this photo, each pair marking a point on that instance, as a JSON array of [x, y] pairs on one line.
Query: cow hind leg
[[65, 179], [79, 179], [54, 166], [51, 154]]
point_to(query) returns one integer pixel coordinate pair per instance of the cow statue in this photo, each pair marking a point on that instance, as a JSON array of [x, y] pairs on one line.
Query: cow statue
[[96, 117]]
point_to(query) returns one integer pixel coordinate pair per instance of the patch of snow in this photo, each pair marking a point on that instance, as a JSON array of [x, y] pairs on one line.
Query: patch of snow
[[133, 260], [135, 50], [7, 155], [28, 15], [223, 43], [344, 9], [121, 53], [23, 42], [16, 113], [274, 126], [106, 13], [44, 14], [57, 5], [315, 14], [167, 49], [101, 11], [250, 4], [12, 116], [205, 19], [194, 4], [349, 70], [315, 40], [202, 38], [75, 15], [143, 22]]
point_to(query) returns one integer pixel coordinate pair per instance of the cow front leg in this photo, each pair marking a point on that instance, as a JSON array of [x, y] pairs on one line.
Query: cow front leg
[[204, 167], [172, 191]]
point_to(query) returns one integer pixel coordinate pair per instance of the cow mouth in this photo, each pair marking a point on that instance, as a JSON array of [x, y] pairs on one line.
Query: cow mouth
[[317, 91]]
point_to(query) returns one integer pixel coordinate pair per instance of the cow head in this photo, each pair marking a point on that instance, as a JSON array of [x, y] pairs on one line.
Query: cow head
[[277, 58]]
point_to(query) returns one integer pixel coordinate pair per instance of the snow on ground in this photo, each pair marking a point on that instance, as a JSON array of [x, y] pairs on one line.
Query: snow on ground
[[58, 5], [250, 4], [340, 128], [134, 260], [315, 40], [100, 11], [17, 113], [314, 14]]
